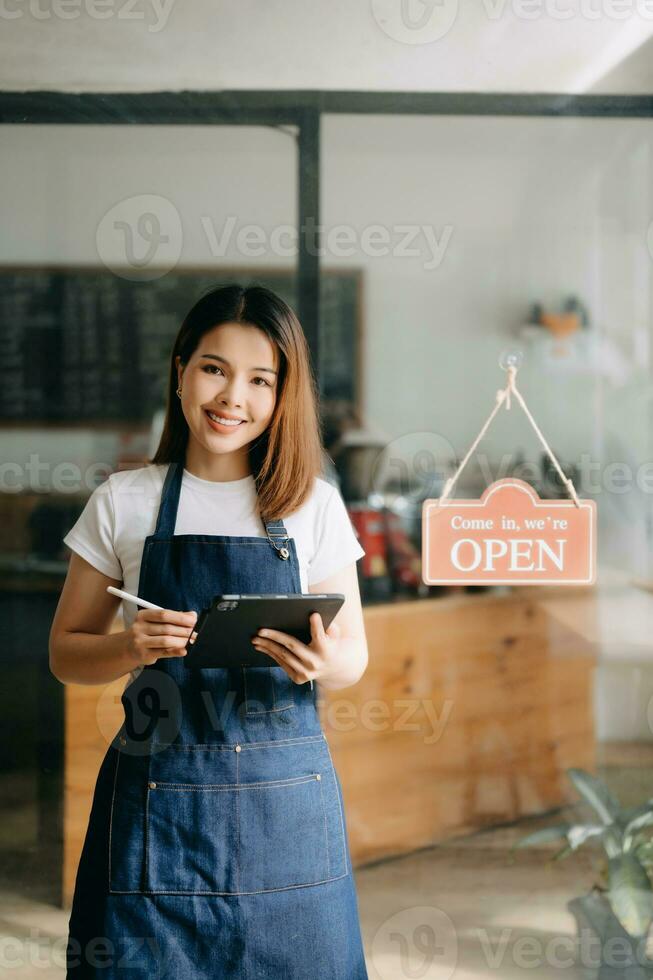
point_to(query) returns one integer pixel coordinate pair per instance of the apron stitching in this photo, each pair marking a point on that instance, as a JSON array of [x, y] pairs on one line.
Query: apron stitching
[[233, 787], [288, 741], [237, 824], [259, 891], [335, 786], [113, 797], [146, 837], [326, 830], [229, 746], [253, 542], [269, 711]]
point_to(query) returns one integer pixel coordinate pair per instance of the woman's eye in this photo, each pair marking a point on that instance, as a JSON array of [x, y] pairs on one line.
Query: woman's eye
[[210, 368]]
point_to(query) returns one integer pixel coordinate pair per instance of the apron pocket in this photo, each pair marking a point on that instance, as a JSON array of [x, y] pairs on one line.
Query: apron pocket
[[267, 689], [189, 844], [238, 838], [126, 849], [283, 835]]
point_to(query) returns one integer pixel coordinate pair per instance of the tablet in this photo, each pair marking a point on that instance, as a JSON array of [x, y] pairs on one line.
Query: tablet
[[225, 629]]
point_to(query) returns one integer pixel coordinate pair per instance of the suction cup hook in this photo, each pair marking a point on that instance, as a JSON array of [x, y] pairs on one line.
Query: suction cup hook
[[510, 360], [511, 357]]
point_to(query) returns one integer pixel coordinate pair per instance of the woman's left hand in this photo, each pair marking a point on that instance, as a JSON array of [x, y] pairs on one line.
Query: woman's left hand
[[302, 662]]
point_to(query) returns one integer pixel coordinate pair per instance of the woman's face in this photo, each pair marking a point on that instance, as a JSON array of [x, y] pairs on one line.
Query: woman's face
[[233, 372]]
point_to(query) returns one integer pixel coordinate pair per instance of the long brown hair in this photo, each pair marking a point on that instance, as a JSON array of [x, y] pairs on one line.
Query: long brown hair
[[289, 455]]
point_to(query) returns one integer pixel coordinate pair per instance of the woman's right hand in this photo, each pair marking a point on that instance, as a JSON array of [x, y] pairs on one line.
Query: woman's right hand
[[159, 633]]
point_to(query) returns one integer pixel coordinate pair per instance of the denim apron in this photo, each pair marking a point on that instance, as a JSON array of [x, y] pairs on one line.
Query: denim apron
[[217, 846]]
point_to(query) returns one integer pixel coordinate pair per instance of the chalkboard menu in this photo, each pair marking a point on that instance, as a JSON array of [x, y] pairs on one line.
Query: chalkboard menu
[[87, 345]]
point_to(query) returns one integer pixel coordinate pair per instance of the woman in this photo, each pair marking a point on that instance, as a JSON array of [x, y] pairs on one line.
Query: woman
[[216, 844]]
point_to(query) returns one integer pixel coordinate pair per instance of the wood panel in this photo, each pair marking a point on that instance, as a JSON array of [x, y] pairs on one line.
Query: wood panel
[[93, 714], [468, 715]]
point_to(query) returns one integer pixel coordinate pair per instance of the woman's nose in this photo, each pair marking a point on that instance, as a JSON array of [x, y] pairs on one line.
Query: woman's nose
[[234, 391]]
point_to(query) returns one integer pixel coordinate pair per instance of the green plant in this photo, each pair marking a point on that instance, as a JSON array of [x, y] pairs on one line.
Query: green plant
[[624, 834]]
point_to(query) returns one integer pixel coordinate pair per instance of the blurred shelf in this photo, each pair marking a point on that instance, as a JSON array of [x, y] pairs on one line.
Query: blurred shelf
[[28, 566]]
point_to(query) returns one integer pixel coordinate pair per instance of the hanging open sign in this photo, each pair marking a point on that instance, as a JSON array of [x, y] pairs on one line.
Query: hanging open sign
[[509, 537]]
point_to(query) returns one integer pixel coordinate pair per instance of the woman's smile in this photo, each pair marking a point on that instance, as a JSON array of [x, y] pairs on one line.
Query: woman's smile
[[212, 419]]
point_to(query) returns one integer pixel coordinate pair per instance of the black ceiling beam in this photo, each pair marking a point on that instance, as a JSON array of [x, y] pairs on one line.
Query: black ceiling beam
[[184, 108], [277, 107], [487, 104]]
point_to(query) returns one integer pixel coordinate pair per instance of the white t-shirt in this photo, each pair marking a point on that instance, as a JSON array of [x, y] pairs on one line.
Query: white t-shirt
[[122, 512]]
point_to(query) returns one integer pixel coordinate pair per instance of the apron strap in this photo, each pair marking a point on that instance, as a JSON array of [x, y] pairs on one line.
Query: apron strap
[[167, 517], [278, 537]]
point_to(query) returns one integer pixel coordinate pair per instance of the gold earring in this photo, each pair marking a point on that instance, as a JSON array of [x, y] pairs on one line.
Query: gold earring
[[179, 391]]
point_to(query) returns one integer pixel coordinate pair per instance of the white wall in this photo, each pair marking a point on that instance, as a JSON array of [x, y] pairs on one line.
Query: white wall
[[455, 45]]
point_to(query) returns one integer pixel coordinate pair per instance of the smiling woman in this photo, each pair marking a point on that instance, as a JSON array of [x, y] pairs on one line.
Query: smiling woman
[[239, 507]]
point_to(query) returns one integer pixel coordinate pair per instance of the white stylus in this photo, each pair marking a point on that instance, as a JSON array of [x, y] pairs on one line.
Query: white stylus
[[133, 598]]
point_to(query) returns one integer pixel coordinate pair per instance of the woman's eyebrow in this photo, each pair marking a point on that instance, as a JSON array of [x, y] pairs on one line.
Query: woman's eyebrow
[[216, 357]]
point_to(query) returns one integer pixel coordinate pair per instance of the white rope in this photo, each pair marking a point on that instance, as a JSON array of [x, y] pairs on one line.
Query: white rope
[[503, 395]]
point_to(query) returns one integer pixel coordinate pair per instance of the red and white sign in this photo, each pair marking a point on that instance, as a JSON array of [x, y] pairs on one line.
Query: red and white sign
[[509, 537]]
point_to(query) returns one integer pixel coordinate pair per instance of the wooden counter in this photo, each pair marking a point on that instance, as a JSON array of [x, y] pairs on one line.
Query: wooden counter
[[468, 714], [481, 703]]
